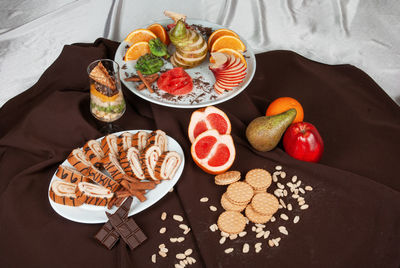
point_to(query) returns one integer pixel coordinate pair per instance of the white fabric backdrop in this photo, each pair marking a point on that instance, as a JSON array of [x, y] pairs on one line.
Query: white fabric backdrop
[[362, 33]]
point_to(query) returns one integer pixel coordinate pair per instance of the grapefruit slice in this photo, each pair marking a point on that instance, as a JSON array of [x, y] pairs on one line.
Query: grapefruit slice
[[212, 152], [207, 118]]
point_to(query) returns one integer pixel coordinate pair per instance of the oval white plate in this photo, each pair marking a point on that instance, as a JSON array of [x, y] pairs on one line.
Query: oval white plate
[[203, 94], [95, 214]]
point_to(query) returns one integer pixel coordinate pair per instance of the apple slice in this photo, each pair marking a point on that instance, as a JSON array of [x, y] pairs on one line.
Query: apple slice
[[218, 89], [226, 87], [221, 88], [221, 60]]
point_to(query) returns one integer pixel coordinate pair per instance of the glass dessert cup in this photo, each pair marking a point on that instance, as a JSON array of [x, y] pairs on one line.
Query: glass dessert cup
[[107, 102]]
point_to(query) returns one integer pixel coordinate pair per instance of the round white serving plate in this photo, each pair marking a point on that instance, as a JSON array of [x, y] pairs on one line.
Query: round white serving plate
[[96, 214], [203, 94]]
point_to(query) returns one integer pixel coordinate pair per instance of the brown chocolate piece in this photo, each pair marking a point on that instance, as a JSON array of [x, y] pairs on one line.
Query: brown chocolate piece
[[128, 229], [107, 235]]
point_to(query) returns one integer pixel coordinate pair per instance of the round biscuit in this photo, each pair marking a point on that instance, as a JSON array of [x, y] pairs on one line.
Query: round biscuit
[[255, 217], [227, 205], [258, 178], [265, 203], [227, 177], [231, 222], [239, 192]]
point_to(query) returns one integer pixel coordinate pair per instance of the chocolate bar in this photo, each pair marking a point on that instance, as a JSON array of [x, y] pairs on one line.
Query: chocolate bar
[[128, 229], [107, 235]]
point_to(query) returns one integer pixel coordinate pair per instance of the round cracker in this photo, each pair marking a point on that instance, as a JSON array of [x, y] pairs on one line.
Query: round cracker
[[231, 222], [258, 178], [255, 217], [239, 192], [265, 203], [227, 205], [227, 177]]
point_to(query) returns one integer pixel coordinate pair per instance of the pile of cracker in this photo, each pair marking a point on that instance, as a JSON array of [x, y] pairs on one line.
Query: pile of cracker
[[249, 196]]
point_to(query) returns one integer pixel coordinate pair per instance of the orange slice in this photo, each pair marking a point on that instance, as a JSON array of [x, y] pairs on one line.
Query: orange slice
[[227, 41], [234, 53], [218, 33], [137, 50], [160, 32], [103, 98], [140, 35]]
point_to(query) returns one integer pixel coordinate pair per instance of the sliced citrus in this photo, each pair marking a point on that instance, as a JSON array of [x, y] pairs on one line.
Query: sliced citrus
[[140, 35], [234, 53], [160, 32], [212, 152], [137, 50], [227, 41], [218, 33], [208, 118]]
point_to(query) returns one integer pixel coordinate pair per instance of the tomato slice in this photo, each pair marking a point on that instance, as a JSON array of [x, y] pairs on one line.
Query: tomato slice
[[175, 81]]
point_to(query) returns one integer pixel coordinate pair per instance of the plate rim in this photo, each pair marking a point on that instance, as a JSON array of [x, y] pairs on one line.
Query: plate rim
[[56, 207], [198, 105]]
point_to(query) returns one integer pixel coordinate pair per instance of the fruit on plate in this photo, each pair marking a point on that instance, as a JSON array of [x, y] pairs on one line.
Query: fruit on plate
[[218, 33], [160, 32], [265, 132], [137, 50], [212, 152], [228, 41], [149, 64], [207, 118], [191, 48], [175, 81], [140, 35], [283, 104], [233, 52], [303, 142], [158, 48], [228, 70]]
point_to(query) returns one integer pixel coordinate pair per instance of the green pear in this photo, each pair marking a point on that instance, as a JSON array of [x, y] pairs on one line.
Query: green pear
[[265, 132]]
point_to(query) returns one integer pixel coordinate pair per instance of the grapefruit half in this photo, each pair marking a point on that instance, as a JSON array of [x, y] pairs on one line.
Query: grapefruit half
[[208, 118], [212, 152]]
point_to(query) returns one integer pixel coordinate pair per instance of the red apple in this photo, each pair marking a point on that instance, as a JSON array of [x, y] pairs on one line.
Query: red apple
[[303, 142]]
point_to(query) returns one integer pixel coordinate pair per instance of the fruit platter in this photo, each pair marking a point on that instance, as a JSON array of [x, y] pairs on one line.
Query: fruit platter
[[211, 64]]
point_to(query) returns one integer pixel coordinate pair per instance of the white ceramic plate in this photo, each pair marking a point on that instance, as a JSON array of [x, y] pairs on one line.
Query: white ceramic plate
[[203, 93], [95, 214]]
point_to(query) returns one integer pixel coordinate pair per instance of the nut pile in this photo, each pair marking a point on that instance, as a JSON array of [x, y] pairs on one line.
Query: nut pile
[[259, 208], [183, 259]]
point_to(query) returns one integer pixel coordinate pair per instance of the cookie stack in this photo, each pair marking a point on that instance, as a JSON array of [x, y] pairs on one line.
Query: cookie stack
[[249, 195]]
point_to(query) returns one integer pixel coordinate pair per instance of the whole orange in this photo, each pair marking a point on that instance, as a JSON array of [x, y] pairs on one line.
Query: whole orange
[[283, 104]]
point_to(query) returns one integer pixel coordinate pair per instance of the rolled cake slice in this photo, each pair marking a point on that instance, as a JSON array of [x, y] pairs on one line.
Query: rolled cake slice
[[109, 145], [139, 140], [63, 193], [71, 175], [167, 165], [79, 161], [148, 160], [112, 165], [93, 152], [98, 177], [159, 138], [93, 194], [130, 162], [124, 142]]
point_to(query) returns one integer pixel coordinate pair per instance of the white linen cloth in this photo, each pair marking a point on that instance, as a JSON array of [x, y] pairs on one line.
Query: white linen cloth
[[362, 33]]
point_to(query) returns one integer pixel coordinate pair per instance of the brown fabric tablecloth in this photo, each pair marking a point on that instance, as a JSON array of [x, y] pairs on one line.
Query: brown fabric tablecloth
[[354, 214]]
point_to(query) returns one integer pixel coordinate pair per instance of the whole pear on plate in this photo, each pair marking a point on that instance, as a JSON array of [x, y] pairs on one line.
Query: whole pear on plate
[[265, 132]]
